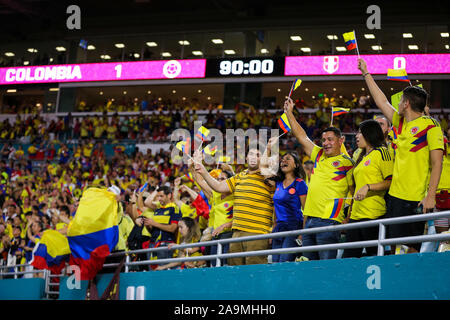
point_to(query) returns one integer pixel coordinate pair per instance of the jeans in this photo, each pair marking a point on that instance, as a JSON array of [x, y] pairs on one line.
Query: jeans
[[329, 237], [286, 242], [225, 247]]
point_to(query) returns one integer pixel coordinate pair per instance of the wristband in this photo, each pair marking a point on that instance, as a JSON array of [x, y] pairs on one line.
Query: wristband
[[368, 186], [365, 74]]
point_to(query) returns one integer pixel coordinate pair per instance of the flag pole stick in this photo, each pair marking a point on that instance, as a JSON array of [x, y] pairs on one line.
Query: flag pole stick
[[331, 117], [292, 86], [281, 135], [356, 41]]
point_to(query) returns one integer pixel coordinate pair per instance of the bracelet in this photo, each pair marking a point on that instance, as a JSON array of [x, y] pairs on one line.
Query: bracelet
[[368, 186], [365, 74]]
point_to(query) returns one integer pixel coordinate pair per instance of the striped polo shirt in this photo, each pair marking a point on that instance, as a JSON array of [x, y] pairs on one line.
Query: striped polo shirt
[[253, 202]]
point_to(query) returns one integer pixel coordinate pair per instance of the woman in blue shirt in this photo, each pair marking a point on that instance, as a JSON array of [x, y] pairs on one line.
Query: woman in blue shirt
[[288, 200]]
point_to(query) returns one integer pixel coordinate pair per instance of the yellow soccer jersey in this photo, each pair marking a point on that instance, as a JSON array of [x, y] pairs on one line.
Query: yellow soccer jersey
[[188, 211], [412, 164], [444, 182], [221, 209], [331, 179], [374, 167]]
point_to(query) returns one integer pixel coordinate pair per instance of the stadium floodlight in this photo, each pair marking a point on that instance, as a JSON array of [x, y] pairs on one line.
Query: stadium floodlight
[[369, 36], [413, 47], [32, 50], [264, 51], [11, 90], [91, 47], [447, 46], [26, 62], [444, 34], [9, 54], [377, 48], [296, 38], [306, 49], [151, 44], [230, 51], [53, 89], [105, 56], [199, 90], [136, 55], [197, 53], [407, 35], [332, 37], [166, 54], [184, 42], [119, 45], [60, 49], [217, 41], [340, 49]]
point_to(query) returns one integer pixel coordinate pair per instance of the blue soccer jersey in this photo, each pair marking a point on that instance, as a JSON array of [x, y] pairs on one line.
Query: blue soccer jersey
[[288, 207]]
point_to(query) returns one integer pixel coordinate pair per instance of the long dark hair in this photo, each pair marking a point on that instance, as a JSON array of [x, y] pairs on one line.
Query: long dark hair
[[373, 134], [299, 172], [194, 230]]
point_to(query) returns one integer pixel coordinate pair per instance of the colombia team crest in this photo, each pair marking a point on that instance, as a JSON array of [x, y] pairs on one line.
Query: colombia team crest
[[367, 162], [336, 164], [414, 130]]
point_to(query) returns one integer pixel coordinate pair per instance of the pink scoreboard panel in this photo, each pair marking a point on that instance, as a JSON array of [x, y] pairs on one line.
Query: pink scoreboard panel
[[110, 71], [376, 63]]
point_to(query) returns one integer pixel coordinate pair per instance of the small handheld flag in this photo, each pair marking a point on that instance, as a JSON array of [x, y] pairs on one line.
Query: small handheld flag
[[189, 177], [283, 122], [143, 187], [397, 75], [339, 111], [224, 159], [184, 146], [202, 133], [350, 41], [295, 85], [210, 151]]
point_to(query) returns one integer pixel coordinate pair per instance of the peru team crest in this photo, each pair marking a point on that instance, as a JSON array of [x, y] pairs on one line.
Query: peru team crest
[[330, 64]]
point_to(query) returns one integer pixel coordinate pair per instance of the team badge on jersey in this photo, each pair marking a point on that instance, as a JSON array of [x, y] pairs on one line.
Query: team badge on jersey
[[336, 164], [367, 162], [226, 204], [291, 191], [414, 130]]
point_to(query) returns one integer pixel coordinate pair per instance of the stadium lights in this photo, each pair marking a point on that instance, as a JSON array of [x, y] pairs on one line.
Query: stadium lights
[[101, 93], [279, 90], [199, 90], [264, 51], [407, 35], [91, 47], [11, 90], [444, 34], [166, 54], [340, 49], [119, 45], [230, 51], [369, 36], [124, 92], [136, 55], [296, 38], [32, 50], [332, 37], [151, 44], [413, 47], [148, 92], [447, 46], [60, 49], [306, 89], [184, 42], [174, 91], [197, 53], [306, 49], [377, 48], [209, 98], [25, 63], [105, 57], [217, 41], [53, 89], [9, 54]]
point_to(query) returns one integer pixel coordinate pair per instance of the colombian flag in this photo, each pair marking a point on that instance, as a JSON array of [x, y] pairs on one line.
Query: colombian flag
[[184, 146], [224, 159], [295, 85], [210, 151], [94, 231], [189, 177], [339, 111], [51, 252], [202, 133], [350, 40], [283, 122], [397, 75]]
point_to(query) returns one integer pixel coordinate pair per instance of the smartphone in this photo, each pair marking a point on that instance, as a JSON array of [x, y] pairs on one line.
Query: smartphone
[[419, 209]]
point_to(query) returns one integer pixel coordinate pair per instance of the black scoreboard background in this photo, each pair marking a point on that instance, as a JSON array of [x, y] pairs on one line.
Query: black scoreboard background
[[245, 67]]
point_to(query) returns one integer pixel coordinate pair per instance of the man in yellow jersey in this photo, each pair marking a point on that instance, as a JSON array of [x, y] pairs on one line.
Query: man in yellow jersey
[[418, 158], [443, 197], [331, 181], [252, 208]]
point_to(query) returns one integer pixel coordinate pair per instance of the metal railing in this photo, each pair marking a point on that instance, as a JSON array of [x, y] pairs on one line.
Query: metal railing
[[380, 243]]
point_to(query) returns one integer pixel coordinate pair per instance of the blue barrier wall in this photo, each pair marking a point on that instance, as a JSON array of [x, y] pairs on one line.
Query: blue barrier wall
[[22, 289], [412, 276]]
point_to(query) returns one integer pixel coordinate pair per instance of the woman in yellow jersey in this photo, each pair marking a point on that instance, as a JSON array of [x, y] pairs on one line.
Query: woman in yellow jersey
[[190, 233], [372, 175]]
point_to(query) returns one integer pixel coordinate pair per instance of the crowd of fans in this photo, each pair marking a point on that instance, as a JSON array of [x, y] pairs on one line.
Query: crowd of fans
[[191, 202]]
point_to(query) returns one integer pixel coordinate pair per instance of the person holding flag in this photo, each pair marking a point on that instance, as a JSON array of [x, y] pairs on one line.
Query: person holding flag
[[331, 181], [418, 158]]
